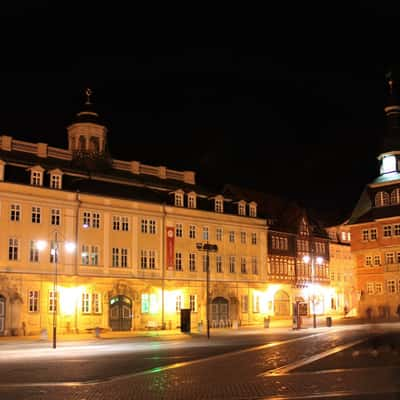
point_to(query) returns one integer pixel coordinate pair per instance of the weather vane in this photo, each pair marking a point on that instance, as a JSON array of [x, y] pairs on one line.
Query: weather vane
[[88, 93]]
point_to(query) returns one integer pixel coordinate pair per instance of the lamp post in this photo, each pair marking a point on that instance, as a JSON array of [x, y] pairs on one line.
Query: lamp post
[[54, 251], [207, 247], [319, 260]]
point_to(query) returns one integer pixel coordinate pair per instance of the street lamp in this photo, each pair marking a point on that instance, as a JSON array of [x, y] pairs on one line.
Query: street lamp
[[54, 251], [319, 260], [207, 247]]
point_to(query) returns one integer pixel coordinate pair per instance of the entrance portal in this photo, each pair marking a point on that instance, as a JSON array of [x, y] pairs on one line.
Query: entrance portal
[[281, 304], [120, 313], [2, 314], [219, 312]]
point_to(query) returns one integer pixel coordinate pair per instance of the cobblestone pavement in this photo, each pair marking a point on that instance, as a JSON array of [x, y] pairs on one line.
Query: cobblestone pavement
[[239, 375]]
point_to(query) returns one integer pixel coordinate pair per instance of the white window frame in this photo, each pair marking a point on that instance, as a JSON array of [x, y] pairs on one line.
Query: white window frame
[[178, 261], [242, 208], [55, 217], [193, 302], [33, 301], [192, 200], [192, 231], [192, 262], [56, 181], [96, 303], [13, 249], [219, 205], [85, 303], [219, 233], [15, 212], [179, 197], [179, 230]]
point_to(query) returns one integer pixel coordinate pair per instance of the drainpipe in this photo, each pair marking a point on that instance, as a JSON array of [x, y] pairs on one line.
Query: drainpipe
[[78, 201], [163, 269]]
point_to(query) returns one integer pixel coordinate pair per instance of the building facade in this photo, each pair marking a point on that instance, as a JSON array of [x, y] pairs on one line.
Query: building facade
[[375, 226], [89, 241]]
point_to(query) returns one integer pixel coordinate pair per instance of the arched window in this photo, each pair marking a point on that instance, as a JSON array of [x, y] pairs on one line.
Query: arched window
[[382, 199], [82, 143], [395, 196], [94, 144]]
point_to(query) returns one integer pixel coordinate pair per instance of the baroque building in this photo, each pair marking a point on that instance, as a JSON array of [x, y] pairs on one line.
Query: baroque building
[[90, 241], [375, 225]]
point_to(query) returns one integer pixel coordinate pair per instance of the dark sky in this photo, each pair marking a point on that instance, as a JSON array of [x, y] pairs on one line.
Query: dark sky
[[280, 99]]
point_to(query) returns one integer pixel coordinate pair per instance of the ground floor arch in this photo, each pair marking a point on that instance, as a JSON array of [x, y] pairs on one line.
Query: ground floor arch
[[120, 313], [2, 314], [281, 304], [220, 311]]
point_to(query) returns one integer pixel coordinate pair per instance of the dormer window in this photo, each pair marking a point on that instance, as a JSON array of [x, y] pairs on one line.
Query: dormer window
[[179, 199], [192, 200], [395, 196], [219, 204], [242, 208], [37, 176], [253, 209], [381, 199], [56, 179], [304, 228]]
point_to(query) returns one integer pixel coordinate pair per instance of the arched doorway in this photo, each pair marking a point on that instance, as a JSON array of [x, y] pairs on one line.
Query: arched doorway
[[219, 311], [281, 304], [120, 313], [2, 314]]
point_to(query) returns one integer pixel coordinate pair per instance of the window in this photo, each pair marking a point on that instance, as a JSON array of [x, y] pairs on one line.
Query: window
[[152, 227], [115, 223], [232, 262], [178, 261], [254, 238], [115, 257], [193, 302], [253, 210], [389, 258], [148, 226], [304, 228], [254, 265], [218, 263], [86, 219], [148, 259], [94, 255], [205, 233], [373, 234], [395, 196], [178, 303], [95, 220], [332, 276], [281, 243], [96, 303], [243, 265], [13, 249], [391, 286], [145, 303], [124, 258], [387, 231], [368, 260], [52, 301], [36, 215], [55, 181], [388, 164], [192, 262], [378, 288], [191, 200], [85, 254], [256, 304], [33, 303], [370, 287], [242, 208], [192, 231], [179, 199], [245, 304], [178, 230], [243, 237], [219, 205], [33, 251], [125, 224], [396, 229], [232, 236], [206, 259], [36, 178], [365, 234], [55, 215], [219, 233], [85, 305], [15, 212], [381, 199], [53, 251], [377, 260]]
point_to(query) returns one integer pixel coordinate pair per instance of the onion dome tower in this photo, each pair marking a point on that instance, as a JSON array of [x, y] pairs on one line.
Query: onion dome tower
[[87, 137]]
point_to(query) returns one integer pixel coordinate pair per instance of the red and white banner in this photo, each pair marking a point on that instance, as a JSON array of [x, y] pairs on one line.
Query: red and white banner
[[170, 247]]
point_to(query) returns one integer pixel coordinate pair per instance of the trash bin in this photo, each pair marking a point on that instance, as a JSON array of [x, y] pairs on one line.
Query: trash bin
[[328, 321], [266, 322]]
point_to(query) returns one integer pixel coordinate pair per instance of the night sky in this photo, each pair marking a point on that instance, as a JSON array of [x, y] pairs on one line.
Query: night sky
[[282, 100]]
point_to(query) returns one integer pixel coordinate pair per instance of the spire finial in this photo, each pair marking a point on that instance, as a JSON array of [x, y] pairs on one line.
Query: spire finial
[[88, 93]]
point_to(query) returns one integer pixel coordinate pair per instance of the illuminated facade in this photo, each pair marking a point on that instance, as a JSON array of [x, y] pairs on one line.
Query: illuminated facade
[[135, 227], [375, 226]]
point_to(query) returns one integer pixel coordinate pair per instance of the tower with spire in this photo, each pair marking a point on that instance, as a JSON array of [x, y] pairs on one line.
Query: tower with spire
[[87, 136], [375, 223]]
